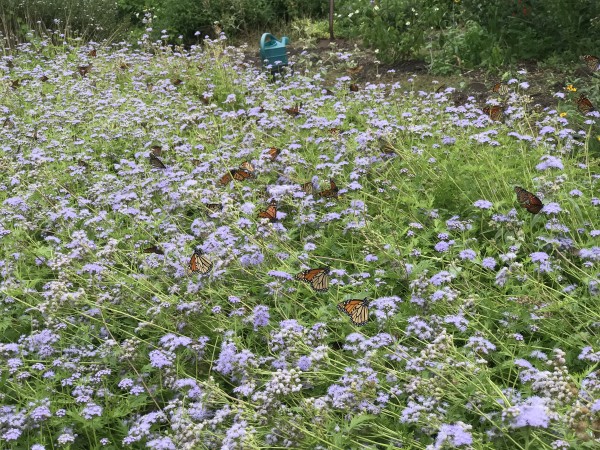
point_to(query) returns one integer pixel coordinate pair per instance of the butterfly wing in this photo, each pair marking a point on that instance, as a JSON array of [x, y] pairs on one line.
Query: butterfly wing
[[156, 162], [528, 201], [270, 213], [308, 188], [199, 263], [154, 249], [592, 62], [274, 153], [494, 112], [584, 104], [241, 174], [225, 179], [332, 192], [354, 87], [318, 278], [246, 165], [357, 310]]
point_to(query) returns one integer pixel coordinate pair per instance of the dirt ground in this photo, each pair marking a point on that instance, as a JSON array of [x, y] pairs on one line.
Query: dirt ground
[[544, 82]]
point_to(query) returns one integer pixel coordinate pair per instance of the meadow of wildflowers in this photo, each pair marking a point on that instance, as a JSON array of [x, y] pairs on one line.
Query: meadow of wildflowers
[[483, 318]]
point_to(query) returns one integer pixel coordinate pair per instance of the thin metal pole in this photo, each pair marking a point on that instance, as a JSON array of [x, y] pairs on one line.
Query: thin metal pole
[[331, 20]]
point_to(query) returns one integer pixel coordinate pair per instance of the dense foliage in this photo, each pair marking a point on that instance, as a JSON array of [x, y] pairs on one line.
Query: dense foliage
[[483, 321], [468, 33]]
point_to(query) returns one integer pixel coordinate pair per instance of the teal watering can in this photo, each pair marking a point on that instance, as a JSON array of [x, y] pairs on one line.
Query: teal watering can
[[273, 51]]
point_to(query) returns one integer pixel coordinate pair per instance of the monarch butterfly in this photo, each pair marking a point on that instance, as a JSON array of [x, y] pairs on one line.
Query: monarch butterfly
[[500, 88], [584, 105], [354, 87], [274, 153], [494, 112], [156, 150], [156, 162], [386, 146], [357, 310], [84, 70], [92, 53], [317, 278], [593, 62], [308, 188], [198, 263], [245, 171], [214, 207], [270, 213], [246, 165], [355, 70], [294, 110], [154, 249], [332, 192], [529, 201]]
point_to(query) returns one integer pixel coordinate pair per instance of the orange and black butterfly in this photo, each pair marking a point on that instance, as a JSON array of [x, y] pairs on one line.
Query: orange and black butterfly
[[214, 207], [317, 278], [84, 70], [245, 172], [92, 53], [592, 62], [357, 310], [198, 263], [154, 249], [584, 105], [44, 78], [528, 201], [293, 111], [269, 213], [156, 150], [156, 162], [274, 153], [495, 112], [355, 70], [334, 131], [354, 87], [308, 188], [500, 88], [332, 192]]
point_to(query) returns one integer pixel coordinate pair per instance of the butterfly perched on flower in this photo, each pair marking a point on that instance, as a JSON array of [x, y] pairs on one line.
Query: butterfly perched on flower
[[528, 201], [357, 310], [269, 213], [84, 70], [592, 62], [308, 188], [354, 87], [156, 150], [584, 105], [213, 207], [156, 162], [154, 249], [494, 112], [92, 53], [199, 263], [244, 172], [176, 81], [332, 192], [273, 153], [500, 88], [294, 110], [317, 278]]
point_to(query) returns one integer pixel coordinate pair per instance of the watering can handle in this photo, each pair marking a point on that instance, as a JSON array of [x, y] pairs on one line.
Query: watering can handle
[[263, 39]]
